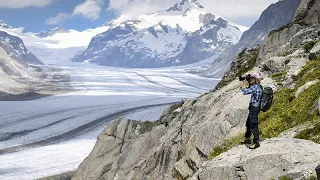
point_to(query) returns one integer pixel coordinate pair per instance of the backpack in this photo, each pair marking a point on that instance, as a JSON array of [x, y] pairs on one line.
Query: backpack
[[266, 98]]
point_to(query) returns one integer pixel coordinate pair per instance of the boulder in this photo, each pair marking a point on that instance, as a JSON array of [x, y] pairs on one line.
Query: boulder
[[117, 152], [292, 158], [316, 50], [275, 64]]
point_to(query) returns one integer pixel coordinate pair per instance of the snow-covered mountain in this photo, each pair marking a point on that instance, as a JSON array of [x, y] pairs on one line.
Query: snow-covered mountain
[[16, 49], [182, 34], [56, 45], [51, 32], [15, 72], [4, 26]]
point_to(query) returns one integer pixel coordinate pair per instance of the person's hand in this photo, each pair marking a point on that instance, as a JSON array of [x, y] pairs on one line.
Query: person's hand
[[244, 84]]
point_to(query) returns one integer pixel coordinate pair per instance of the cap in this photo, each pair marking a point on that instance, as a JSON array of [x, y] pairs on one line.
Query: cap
[[256, 75]]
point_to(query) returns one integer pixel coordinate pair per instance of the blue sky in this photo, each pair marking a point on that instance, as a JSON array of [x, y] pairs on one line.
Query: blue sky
[[39, 15], [34, 18]]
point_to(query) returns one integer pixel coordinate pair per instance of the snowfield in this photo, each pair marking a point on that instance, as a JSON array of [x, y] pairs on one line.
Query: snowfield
[[53, 135]]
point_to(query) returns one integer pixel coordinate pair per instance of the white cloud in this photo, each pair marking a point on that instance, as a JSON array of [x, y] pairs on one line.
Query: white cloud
[[90, 9], [60, 18], [24, 3], [234, 9], [229, 9]]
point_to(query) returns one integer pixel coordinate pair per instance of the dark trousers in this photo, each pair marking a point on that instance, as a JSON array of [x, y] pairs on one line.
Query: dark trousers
[[252, 124]]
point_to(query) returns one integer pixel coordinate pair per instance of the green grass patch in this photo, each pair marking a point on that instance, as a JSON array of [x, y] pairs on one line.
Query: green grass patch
[[312, 134], [227, 145], [241, 54], [279, 77], [285, 178], [313, 178], [288, 111], [286, 53], [307, 47]]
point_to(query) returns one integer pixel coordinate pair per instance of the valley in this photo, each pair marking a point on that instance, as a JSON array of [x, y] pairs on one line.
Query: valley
[[52, 135]]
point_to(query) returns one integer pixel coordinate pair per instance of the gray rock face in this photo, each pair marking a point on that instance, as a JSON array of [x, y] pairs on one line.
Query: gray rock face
[[121, 148], [316, 50], [171, 152], [302, 30], [155, 41], [292, 158], [16, 49], [274, 17], [308, 12]]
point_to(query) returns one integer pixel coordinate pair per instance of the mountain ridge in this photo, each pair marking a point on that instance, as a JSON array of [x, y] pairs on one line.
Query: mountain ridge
[[274, 17], [160, 39]]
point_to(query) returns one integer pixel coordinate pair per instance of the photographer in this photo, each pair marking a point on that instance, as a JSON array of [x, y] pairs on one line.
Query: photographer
[[255, 89]]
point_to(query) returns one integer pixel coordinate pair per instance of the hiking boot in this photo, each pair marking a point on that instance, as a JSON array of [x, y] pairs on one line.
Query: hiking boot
[[246, 141], [254, 146]]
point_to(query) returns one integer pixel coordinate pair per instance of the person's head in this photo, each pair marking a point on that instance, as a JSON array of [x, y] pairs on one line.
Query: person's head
[[255, 78]]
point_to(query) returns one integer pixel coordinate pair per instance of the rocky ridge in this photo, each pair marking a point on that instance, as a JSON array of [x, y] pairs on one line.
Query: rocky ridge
[[15, 48], [180, 144], [274, 17], [51, 32], [22, 75]]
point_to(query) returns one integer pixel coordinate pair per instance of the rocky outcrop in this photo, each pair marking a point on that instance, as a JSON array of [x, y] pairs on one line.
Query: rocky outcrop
[[121, 148], [291, 158], [316, 50], [308, 12], [169, 152], [274, 17], [292, 36]]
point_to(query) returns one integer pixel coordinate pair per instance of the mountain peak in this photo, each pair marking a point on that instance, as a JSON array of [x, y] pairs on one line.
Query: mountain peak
[[51, 32], [185, 4], [4, 25]]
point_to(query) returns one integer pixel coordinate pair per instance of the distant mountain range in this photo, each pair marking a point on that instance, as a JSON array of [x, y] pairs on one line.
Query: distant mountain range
[[183, 34]]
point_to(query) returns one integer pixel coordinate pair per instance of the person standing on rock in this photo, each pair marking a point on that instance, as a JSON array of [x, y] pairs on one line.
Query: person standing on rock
[[255, 89]]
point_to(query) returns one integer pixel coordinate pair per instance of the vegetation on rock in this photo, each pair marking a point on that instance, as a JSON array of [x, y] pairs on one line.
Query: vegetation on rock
[[227, 145], [307, 47], [288, 111], [245, 61], [312, 134]]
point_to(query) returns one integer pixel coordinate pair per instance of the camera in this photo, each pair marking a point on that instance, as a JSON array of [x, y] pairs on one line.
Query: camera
[[247, 78]]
